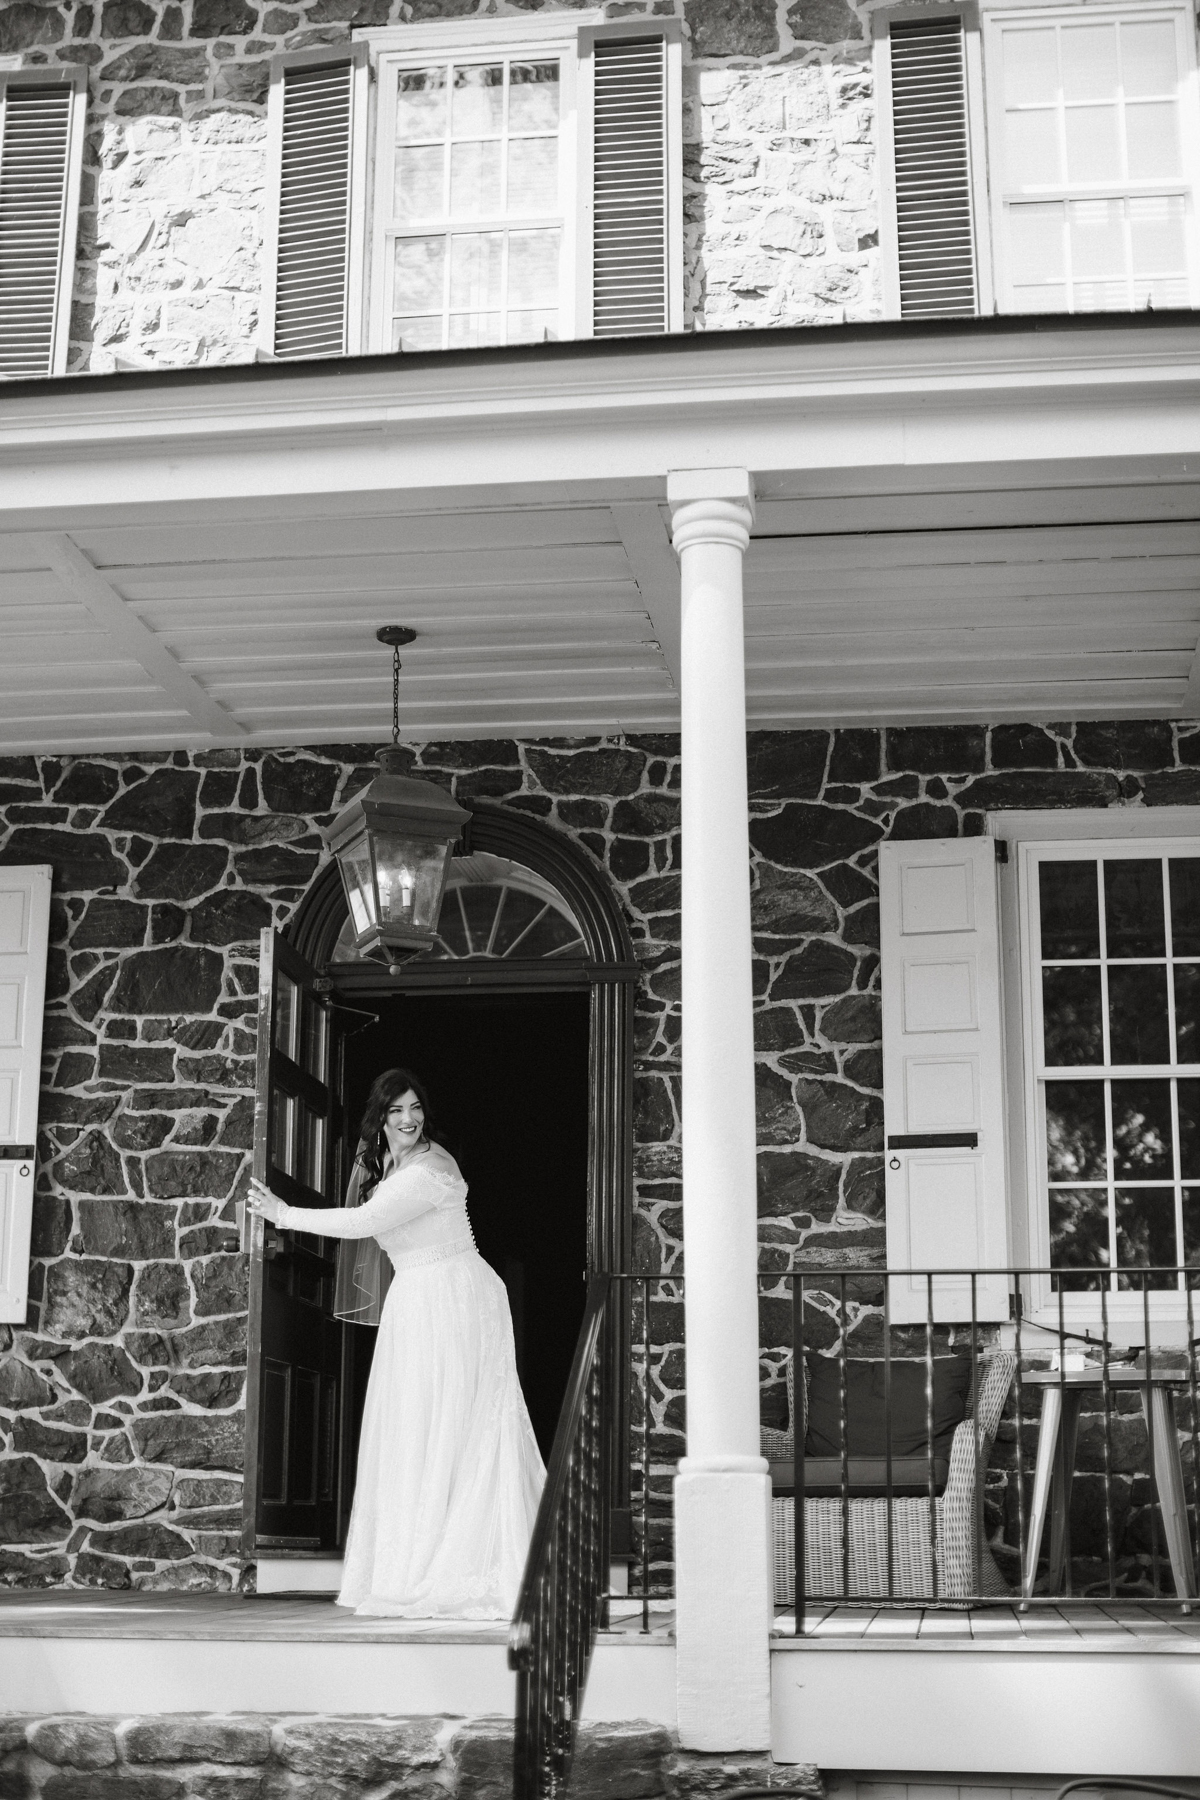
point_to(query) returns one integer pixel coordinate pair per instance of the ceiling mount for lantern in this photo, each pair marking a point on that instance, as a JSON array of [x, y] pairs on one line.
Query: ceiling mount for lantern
[[393, 845]]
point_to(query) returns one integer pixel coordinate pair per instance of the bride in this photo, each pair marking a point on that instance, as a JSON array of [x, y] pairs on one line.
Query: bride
[[449, 1474]]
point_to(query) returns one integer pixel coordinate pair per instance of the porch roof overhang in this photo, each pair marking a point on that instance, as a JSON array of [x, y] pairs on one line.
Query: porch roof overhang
[[989, 519]]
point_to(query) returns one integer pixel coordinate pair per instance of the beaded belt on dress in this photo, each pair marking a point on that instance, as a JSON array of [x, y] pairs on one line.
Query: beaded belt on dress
[[411, 1259]]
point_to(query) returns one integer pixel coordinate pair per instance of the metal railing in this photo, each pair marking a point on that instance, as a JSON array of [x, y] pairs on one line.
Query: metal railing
[[967, 1532], [561, 1603]]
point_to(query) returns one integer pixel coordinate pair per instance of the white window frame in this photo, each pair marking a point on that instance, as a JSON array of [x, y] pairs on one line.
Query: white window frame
[[568, 37], [995, 13], [889, 244], [1078, 831]]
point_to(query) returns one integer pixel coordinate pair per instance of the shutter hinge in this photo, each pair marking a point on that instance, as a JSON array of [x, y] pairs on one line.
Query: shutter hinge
[[1001, 849], [323, 985]]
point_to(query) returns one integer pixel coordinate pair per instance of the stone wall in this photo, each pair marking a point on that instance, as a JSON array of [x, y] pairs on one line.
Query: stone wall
[[780, 220], [121, 1403], [248, 1756]]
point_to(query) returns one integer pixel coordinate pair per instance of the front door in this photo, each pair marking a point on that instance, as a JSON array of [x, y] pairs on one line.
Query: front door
[[294, 1395]]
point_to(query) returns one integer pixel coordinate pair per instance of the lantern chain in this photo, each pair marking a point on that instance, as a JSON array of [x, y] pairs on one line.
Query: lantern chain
[[395, 695]]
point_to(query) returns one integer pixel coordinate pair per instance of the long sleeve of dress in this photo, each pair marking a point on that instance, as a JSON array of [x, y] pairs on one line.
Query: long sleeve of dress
[[393, 1203]]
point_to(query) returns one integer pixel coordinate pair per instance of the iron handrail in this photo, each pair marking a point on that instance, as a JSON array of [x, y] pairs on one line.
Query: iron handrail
[[561, 1601]]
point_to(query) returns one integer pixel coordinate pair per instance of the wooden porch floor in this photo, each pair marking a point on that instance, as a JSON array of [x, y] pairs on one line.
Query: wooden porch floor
[[1080, 1627]]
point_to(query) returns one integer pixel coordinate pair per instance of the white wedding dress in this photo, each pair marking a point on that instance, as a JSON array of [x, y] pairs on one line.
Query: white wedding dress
[[449, 1473]]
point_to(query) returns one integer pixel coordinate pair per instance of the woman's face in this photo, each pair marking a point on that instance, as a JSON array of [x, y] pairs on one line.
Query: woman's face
[[404, 1125]]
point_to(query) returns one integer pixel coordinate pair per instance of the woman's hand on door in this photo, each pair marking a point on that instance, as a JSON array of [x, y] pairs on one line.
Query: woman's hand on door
[[263, 1203]]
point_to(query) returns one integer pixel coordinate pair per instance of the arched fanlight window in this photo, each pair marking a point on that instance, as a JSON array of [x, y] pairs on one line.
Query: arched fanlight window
[[493, 908]]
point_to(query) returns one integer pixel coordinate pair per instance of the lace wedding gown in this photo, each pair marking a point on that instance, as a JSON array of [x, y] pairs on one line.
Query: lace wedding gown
[[449, 1474]]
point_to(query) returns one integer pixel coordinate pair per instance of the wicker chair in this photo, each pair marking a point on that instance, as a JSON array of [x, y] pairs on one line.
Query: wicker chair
[[959, 1573]]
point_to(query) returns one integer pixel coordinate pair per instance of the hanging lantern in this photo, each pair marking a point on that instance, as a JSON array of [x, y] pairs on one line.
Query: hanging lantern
[[393, 844]]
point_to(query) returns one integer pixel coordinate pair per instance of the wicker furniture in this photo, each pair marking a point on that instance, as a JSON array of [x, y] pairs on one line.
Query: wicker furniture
[[960, 1571]]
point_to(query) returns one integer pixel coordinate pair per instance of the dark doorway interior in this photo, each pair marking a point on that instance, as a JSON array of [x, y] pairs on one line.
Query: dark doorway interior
[[508, 1081]]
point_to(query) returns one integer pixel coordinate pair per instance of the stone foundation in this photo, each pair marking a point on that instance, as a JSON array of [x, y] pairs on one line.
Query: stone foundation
[[249, 1756]]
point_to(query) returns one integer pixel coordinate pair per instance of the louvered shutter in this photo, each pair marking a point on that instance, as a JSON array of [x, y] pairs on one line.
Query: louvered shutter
[[931, 162], [24, 932], [41, 143], [636, 199], [943, 1074], [314, 249]]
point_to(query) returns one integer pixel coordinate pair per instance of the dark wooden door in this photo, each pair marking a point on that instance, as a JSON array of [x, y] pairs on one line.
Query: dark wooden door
[[296, 1393]]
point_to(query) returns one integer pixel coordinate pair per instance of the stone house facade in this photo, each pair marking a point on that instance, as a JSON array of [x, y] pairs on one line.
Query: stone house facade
[[122, 1399], [781, 225]]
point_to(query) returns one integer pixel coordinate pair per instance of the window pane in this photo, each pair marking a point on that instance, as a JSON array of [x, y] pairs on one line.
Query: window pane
[[1093, 144], [532, 327], [420, 274], [1156, 235], [479, 101], [1078, 1233], [420, 104], [1133, 908], [1097, 230], [467, 330], [1049, 299], [533, 268], [316, 1040], [1032, 149], [1038, 254], [532, 175], [1137, 1014], [481, 905], [451, 929], [1187, 1013], [1189, 1129], [476, 262], [520, 910], [552, 932], [533, 97], [287, 1017], [1089, 62], [283, 1131], [1071, 1017], [1070, 910], [1152, 134], [417, 334], [1191, 1228], [1143, 1148], [1145, 1232], [1148, 64], [419, 192], [1075, 1131], [1030, 66], [474, 180]]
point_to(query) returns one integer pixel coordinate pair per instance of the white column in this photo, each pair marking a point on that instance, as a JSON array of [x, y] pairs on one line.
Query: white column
[[722, 1490]]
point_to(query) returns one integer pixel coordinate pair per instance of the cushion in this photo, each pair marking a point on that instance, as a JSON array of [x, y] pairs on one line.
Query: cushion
[[867, 1477], [866, 1424]]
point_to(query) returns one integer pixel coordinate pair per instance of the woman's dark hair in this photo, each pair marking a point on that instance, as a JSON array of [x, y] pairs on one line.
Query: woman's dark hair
[[385, 1089]]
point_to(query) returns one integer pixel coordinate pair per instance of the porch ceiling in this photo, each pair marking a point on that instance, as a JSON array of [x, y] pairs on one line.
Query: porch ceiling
[[967, 525]]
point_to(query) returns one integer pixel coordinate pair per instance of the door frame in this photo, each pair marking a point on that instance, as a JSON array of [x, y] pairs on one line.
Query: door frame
[[607, 971]]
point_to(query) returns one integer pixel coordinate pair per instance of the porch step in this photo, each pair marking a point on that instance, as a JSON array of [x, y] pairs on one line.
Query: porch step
[[100, 1652], [1103, 1690]]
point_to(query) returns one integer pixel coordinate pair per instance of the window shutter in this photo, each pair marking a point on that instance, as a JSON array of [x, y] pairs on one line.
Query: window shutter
[[636, 210], [943, 1074], [314, 243], [24, 931], [41, 147], [931, 160]]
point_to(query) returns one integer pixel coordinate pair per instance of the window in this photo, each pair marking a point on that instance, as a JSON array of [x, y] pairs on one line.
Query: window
[[1093, 153], [42, 114], [1045, 165], [496, 909], [525, 186]]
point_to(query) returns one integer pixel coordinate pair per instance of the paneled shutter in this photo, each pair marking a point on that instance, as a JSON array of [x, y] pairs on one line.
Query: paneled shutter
[[630, 187], [932, 166], [312, 277], [24, 930], [41, 140], [943, 1074]]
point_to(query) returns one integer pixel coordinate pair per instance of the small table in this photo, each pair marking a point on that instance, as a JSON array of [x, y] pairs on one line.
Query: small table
[[1055, 1468]]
